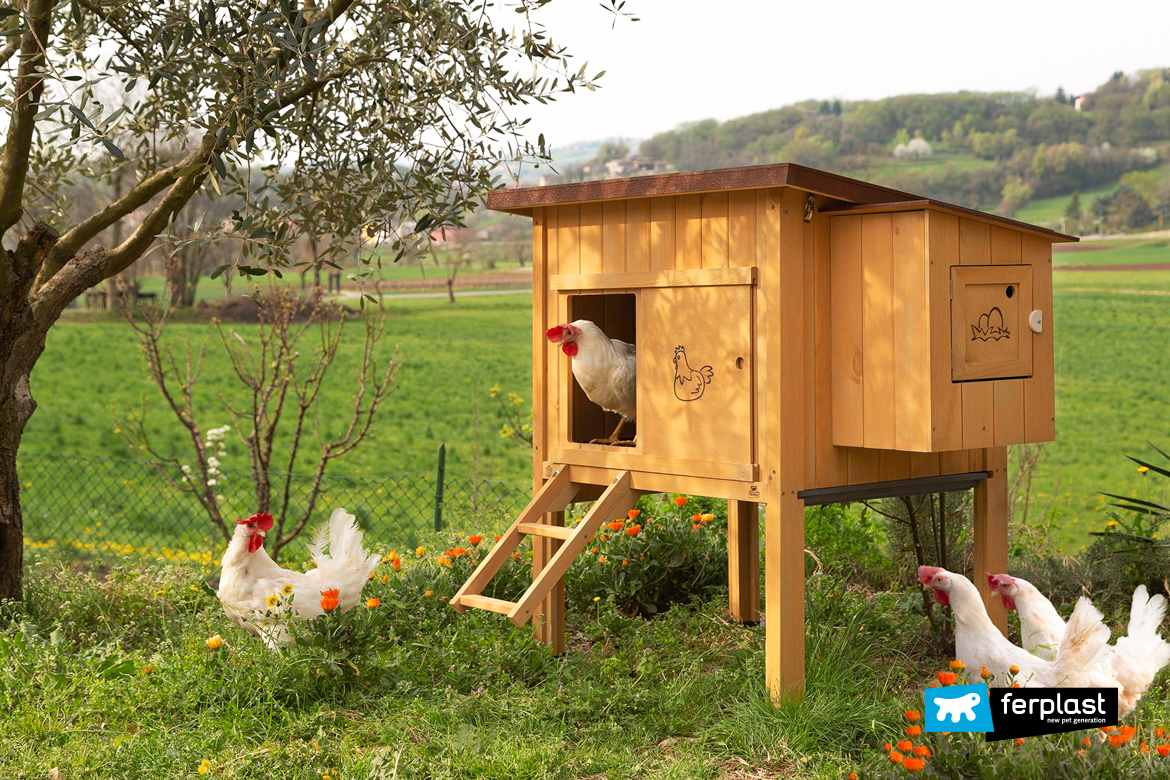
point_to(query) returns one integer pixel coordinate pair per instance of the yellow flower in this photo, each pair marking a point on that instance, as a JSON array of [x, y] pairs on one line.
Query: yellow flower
[[1014, 669], [160, 593], [1143, 469], [429, 593], [204, 767], [420, 550], [957, 665], [214, 642], [1112, 524], [286, 590], [271, 601], [597, 598]]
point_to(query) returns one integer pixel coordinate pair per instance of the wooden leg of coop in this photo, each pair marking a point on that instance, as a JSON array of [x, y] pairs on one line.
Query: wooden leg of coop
[[743, 561], [991, 530], [550, 621], [784, 597]]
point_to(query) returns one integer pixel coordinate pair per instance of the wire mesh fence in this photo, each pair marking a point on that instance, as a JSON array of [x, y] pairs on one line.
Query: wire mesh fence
[[92, 506]]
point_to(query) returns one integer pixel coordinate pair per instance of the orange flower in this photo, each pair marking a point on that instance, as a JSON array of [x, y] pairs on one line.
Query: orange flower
[[1145, 748], [905, 745], [947, 678], [372, 575], [397, 564], [385, 578], [852, 776], [680, 501], [984, 673], [633, 514], [214, 642], [595, 551], [887, 747], [1014, 669], [913, 731], [625, 562], [922, 751], [896, 757], [373, 603], [912, 715], [498, 537], [329, 600], [1117, 740], [1105, 729], [633, 530], [696, 518], [601, 559], [1086, 742], [444, 560], [1019, 740], [1015, 685], [456, 552], [957, 665], [475, 539], [616, 526], [913, 764], [1159, 733], [602, 537], [428, 593], [147, 670], [696, 526], [1163, 750]]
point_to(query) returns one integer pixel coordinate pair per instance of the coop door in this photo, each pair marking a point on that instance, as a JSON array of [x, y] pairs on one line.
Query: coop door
[[990, 335], [695, 373]]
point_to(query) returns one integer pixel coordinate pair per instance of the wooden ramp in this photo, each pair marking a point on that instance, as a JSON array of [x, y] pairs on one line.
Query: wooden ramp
[[554, 496]]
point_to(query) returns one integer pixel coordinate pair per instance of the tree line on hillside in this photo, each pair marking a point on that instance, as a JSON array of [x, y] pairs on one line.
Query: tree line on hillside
[[993, 150]]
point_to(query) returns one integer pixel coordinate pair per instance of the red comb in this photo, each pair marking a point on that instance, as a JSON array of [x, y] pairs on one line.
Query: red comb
[[555, 333], [263, 521]]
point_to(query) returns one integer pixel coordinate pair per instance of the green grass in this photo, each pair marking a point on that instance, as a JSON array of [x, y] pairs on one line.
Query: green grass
[[453, 355], [1048, 211], [1116, 252], [959, 162]]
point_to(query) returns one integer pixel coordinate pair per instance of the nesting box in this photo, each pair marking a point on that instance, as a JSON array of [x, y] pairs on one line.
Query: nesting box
[[802, 338]]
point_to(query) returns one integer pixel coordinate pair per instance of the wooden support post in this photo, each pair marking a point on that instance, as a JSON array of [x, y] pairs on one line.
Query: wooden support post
[[743, 561], [991, 529], [784, 597], [550, 621]]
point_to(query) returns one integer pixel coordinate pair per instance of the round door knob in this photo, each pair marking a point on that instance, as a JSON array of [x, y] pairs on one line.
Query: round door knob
[[1036, 321]]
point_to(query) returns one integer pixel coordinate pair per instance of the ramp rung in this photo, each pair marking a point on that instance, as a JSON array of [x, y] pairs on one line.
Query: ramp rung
[[487, 602], [540, 529]]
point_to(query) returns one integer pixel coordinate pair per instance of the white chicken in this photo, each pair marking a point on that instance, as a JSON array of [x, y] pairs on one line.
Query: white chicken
[[1134, 660], [259, 596], [1083, 658], [1041, 626], [605, 368]]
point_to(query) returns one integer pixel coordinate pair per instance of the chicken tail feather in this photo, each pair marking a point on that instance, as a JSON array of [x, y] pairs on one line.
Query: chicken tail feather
[[1085, 638], [1141, 653]]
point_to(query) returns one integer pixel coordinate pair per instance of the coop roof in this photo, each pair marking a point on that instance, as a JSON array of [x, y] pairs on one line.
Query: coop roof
[[860, 195]]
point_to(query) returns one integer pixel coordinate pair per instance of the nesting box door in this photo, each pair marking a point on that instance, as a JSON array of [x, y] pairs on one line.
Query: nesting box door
[[990, 335], [695, 369]]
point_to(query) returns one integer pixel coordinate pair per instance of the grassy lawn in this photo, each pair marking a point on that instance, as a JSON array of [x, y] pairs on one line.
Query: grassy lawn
[[1048, 211]]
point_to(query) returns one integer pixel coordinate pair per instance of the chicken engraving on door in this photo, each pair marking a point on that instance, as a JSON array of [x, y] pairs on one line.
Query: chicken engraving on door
[[689, 383], [990, 327]]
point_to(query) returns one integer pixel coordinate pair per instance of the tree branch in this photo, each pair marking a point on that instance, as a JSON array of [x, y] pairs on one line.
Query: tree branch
[[30, 83]]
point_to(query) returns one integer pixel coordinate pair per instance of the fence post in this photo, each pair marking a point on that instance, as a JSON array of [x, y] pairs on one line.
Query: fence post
[[439, 487]]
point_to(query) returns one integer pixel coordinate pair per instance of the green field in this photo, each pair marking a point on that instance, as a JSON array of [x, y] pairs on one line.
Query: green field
[[1111, 362]]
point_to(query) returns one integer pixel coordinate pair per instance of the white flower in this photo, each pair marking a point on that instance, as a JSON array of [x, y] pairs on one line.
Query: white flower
[[218, 498], [212, 483], [213, 462]]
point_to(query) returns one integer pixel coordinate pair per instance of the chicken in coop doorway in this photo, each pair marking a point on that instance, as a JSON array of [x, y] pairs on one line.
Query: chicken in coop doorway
[[605, 368]]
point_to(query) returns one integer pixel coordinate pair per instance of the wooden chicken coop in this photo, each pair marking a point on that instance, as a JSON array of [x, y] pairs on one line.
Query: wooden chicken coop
[[802, 338]]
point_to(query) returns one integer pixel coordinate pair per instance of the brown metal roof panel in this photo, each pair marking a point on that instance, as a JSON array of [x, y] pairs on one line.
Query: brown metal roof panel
[[861, 193]]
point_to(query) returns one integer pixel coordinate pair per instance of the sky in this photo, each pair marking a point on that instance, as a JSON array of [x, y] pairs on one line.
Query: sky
[[687, 60]]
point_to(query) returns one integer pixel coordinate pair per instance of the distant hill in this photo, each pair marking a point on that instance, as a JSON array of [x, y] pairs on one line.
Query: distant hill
[[993, 151]]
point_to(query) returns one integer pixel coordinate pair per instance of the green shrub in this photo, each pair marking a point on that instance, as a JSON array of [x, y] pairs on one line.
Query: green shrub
[[848, 539]]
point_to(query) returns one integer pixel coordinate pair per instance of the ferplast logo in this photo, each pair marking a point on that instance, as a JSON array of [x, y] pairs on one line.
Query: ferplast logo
[[958, 708]]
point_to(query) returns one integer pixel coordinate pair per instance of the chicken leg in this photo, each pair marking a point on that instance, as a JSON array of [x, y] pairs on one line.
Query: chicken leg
[[613, 440]]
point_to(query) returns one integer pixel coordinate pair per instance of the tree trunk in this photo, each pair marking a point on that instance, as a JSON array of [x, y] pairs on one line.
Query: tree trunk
[[16, 407]]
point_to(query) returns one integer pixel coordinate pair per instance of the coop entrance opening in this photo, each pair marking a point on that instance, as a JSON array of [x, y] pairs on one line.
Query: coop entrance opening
[[616, 315]]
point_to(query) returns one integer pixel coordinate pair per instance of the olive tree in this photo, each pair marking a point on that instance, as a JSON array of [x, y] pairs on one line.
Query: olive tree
[[393, 116]]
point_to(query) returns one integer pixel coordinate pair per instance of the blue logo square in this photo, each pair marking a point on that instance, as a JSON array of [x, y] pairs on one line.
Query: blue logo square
[[958, 708]]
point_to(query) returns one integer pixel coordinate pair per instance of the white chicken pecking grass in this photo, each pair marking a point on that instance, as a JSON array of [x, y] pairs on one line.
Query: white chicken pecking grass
[[250, 579], [605, 368], [1134, 660], [1083, 657]]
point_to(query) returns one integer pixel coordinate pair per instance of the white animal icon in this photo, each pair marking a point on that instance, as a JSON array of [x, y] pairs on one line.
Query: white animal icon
[[962, 705]]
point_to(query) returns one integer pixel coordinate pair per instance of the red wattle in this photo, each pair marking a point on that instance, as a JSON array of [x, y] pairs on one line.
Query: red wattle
[[1008, 603], [255, 542], [569, 348], [942, 598]]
